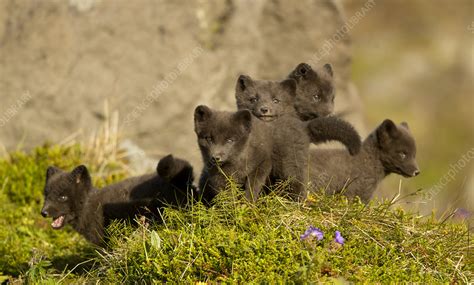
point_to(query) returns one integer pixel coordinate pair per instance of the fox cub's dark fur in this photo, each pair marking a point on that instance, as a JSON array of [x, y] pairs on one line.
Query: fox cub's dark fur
[[389, 149], [70, 198]]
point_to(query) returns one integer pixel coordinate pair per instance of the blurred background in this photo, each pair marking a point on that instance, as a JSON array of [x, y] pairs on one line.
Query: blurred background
[[413, 61], [68, 68]]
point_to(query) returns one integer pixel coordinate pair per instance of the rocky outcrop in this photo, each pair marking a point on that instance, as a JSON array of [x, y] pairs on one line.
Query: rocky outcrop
[[153, 61]]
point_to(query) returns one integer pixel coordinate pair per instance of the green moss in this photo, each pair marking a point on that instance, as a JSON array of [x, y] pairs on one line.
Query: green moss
[[233, 241]]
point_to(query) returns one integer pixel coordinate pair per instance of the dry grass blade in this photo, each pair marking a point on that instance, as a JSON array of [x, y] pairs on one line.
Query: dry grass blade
[[101, 148]]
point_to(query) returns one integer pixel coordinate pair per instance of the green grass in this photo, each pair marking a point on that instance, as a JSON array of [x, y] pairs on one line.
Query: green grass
[[234, 241]]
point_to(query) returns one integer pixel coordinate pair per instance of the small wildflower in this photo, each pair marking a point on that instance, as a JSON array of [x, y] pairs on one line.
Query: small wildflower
[[462, 213], [338, 238], [312, 232]]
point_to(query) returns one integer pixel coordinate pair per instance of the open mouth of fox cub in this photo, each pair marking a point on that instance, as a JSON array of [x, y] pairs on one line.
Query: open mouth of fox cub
[[58, 222]]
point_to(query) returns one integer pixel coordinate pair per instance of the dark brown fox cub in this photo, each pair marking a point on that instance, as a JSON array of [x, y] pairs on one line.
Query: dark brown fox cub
[[315, 91], [389, 149], [70, 197], [233, 144]]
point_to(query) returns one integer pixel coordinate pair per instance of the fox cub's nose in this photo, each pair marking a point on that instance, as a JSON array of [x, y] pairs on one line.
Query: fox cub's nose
[[44, 213], [264, 110], [416, 172], [217, 157]]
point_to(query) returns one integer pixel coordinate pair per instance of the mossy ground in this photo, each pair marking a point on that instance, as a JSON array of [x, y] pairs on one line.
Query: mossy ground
[[233, 241]]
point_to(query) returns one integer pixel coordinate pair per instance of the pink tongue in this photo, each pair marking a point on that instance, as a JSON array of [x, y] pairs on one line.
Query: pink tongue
[[58, 222]]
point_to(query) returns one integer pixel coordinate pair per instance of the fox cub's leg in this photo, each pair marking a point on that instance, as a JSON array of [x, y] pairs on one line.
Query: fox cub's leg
[[256, 180], [332, 128]]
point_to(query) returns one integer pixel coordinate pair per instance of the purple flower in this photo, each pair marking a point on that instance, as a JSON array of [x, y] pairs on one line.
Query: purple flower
[[312, 232], [338, 238], [462, 213]]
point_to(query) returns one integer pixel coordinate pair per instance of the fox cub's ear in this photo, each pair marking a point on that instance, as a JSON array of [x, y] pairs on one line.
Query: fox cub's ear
[[243, 83], [243, 118], [387, 131], [80, 175], [165, 166], [300, 71], [202, 113], [405, 125], [51, 171], [328, 69], [289, 85]]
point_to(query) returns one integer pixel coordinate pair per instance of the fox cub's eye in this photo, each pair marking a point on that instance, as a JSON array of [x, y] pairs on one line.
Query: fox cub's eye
[[253, 100], [208, 139], [402, 155], [276, 101], [62, 198], [229, 141], [316, 97]]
